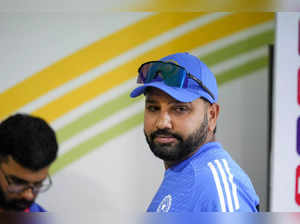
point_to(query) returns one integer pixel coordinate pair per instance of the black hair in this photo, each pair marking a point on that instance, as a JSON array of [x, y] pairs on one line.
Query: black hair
[[29, 140]]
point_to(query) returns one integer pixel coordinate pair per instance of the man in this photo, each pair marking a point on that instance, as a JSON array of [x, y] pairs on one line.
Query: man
[[28, 146], [180, 118]]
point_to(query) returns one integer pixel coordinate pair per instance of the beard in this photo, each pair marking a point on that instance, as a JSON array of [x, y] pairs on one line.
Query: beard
[[13, 204], [181, 150]]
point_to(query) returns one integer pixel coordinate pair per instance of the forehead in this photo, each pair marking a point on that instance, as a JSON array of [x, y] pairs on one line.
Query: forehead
[[156, 95], [11, 167]]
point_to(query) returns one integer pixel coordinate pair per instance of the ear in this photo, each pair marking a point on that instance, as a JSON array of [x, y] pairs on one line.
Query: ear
[[212, 114]]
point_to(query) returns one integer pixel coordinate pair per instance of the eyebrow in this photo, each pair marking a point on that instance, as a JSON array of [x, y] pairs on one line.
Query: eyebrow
[[150, 101], [17, 179]]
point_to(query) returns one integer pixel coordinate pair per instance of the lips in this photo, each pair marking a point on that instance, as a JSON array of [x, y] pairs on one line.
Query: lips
[[164, 139]]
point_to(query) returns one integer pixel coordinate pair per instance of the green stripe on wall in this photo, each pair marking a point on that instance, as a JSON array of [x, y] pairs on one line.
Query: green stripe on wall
[[239, 47], [91, 118], [96, 141], [242, 70], [104, 111]]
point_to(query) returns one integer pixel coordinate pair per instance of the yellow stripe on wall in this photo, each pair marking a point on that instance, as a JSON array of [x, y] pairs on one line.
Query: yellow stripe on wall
[[203, 35], [88, 58]]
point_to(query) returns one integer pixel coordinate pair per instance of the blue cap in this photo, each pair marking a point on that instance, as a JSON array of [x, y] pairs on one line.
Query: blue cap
[[193, 90]]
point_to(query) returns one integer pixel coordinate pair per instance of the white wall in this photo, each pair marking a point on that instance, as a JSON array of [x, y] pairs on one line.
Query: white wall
[[123, 175]]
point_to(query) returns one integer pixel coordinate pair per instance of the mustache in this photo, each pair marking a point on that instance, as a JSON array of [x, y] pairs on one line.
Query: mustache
[[164, 132]]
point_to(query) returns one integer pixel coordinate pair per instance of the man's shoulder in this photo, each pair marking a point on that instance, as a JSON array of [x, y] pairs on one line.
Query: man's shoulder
[[208, 153], [224, 185], [36, 208]]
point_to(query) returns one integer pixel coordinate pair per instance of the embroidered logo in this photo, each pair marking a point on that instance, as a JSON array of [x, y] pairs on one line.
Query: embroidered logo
[[165, 204]]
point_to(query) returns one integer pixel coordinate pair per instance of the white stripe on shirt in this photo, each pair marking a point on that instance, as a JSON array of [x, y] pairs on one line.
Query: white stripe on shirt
[[218, 185], [226, 185], [234, 188]]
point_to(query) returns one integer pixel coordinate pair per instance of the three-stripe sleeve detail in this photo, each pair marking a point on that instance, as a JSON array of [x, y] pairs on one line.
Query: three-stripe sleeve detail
[[234, 188], [225, 185], [218, 185]]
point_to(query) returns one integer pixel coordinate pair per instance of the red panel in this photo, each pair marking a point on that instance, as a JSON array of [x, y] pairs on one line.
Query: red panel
[[297, 193]]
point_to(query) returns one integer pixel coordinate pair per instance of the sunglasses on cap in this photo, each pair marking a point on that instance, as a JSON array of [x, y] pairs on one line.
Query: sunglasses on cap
[[172, 75]]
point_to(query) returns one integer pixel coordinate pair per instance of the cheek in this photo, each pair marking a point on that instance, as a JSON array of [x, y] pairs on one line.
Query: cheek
[[185, 127], [182, 128], [10, 196], [4, 188], [149, 122], [147, 125]]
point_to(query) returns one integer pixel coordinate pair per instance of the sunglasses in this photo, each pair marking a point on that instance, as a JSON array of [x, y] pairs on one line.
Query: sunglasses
[[172, 75]]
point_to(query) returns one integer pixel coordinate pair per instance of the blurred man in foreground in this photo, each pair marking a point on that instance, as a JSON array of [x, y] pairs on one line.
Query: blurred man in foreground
[[28, 146]]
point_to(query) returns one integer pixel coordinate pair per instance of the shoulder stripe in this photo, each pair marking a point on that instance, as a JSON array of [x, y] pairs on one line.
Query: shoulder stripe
[[226, 185], [218, 185], [234, 188]]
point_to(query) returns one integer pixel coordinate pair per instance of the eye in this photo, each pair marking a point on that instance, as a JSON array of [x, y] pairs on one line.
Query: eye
[[15, 180], [181, 109], [152, 108]]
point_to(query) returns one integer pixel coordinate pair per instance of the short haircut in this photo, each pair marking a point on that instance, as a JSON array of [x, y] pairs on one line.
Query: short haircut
[[29, 140]]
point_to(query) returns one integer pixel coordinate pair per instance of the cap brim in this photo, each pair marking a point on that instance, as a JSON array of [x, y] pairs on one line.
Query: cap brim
[[180, 94]]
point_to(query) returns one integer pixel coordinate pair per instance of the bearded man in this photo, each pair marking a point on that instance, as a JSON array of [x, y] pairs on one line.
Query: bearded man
[[181, 113]]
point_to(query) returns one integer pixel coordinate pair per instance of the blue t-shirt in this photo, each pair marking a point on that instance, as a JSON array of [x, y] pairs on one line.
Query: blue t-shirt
[[209, 181], [36, 208]]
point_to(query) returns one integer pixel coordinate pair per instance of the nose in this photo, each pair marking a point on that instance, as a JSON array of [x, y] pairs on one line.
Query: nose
[[28, 194], [164, 121]]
